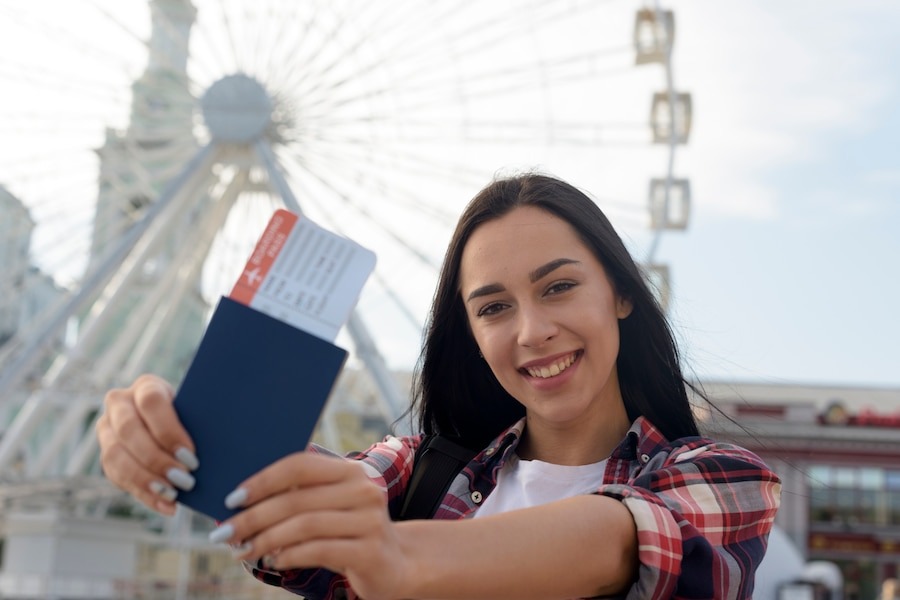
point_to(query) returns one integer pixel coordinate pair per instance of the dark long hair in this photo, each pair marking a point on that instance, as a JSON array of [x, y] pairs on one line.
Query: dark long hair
[[455, 392]]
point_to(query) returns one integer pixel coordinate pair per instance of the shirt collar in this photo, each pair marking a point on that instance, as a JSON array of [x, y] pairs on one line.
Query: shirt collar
[[642, 439]]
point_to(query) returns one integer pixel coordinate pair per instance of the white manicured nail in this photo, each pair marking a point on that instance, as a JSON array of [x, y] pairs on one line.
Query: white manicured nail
[[221, 534], [180, 479], [236, 498], [241, 549], [163, 491], [187, 458]]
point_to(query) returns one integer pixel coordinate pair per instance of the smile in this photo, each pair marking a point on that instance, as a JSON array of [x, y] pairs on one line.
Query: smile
[[554, 369]]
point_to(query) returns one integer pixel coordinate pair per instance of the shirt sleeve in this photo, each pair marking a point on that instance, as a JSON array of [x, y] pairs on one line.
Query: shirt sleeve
[[703, 518], [389, 464]]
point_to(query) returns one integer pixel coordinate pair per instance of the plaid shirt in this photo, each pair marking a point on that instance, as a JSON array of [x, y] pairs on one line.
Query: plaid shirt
[[703, 510]]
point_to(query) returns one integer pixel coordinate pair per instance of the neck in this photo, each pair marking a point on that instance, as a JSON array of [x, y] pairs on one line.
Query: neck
[[580, 444]]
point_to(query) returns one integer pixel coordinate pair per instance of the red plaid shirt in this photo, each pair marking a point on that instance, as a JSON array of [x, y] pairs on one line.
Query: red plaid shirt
[[703, 510]]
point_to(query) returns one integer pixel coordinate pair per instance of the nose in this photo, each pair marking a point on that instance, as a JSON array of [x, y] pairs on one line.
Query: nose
[[536, 326]]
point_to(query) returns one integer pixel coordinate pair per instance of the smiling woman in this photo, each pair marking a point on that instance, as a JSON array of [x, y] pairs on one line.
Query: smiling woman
[[545, 318], [548, 356]]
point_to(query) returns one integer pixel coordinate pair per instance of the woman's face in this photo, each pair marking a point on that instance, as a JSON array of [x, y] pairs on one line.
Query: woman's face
[[544, 315]]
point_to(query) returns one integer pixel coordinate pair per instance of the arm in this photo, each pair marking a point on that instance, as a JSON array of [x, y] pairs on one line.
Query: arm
[[307, 511], [583, 546], [703, 517]]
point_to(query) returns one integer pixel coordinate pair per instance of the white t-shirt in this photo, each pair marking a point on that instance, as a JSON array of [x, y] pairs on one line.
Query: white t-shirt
[[525, 483]]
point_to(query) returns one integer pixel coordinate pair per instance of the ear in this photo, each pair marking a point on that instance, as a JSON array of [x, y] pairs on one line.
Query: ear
[[623, 307]]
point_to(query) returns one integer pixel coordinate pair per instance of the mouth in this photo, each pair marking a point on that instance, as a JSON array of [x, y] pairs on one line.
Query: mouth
[[552, 369]]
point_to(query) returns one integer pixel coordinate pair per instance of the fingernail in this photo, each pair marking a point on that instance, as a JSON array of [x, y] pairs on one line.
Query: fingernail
[[187, 458], [268, 561], [221, 534], [180, 479], [236, 498], [239, 550], [163, 491], [164, 508]]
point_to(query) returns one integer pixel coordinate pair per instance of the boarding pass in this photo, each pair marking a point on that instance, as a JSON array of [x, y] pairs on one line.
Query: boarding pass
[[304, 275]]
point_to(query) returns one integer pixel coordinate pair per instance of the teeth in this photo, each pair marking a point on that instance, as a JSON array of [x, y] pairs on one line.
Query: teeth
[[552, 370]]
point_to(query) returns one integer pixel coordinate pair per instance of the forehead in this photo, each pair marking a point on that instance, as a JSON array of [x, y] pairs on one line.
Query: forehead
[[519, 241]]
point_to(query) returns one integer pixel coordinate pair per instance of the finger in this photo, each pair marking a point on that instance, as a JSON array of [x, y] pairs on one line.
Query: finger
[[334, 554], [370, 570], [313, 526], [125, 472], [348, 495], [331, 554], [129, 433], [299, 470], [153, 398]]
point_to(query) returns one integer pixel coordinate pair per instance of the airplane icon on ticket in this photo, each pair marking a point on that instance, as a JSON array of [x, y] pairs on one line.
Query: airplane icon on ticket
[[253, 276]]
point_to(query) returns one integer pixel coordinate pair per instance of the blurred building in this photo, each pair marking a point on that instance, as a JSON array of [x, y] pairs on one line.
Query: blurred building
[[837, 450], [27, 291], [136, 165]]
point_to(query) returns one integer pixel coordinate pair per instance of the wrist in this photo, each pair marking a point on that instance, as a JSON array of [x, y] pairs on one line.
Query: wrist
[[420, 566]]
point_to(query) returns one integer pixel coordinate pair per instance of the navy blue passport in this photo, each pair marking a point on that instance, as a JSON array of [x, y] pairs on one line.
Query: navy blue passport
[[252, 395]]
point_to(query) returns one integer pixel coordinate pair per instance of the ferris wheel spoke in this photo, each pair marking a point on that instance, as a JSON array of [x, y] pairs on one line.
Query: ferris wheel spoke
[[230, 36], [111, 18], [312, 79], [51, 82], [388, 288], [322, 60], [373, 167], [494, 131], [58, 244], [210, 55], [469, 38], [387, 159], [397, 301], [556, 70], [428, 95], [85, 47], [398, 54], [287, 53], [395, 56], [340, 191], [312, 47]]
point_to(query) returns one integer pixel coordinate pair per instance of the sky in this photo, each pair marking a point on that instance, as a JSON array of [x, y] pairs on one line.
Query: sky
[[788, 271]]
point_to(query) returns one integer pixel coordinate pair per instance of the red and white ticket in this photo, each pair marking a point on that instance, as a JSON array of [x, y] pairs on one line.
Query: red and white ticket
[[304, 275]]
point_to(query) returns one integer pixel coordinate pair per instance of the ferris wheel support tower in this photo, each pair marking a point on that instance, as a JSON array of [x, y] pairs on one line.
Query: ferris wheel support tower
[[237, 112]]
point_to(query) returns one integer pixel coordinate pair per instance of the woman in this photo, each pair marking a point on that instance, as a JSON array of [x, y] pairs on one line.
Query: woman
[[547, 352]]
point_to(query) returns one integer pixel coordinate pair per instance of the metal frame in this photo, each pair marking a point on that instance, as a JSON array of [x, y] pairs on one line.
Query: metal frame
[[107, 287]]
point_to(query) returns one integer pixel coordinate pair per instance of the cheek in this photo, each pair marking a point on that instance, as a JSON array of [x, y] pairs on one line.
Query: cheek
[[491, 342]]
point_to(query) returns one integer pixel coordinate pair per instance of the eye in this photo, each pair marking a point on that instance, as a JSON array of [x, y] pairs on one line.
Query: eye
[[490, 309], [559, 287]]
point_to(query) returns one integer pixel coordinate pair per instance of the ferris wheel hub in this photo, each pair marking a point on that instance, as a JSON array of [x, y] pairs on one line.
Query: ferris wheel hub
[[237, 109]]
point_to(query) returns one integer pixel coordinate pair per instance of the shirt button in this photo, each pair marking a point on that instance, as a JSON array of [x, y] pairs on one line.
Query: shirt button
[[490, 451], [477, 497], [645, 458]]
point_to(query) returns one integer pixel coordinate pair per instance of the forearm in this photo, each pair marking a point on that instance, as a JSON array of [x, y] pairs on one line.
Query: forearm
[[579, 547]]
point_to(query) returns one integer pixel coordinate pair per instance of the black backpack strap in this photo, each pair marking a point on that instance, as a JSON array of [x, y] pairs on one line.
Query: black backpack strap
[[438, 461]]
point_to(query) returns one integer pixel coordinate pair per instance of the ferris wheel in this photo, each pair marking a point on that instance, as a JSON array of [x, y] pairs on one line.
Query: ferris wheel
[[150, 143]]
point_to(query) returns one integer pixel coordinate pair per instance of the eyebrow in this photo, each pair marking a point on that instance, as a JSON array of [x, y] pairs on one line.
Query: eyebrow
[[534, 276], [551, 266]]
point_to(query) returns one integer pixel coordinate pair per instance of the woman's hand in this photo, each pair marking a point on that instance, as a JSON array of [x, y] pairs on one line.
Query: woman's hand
[[143, 447], [309, 510]]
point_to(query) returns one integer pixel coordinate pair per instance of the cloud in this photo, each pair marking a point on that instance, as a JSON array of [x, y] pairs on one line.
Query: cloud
[[769, 79]]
